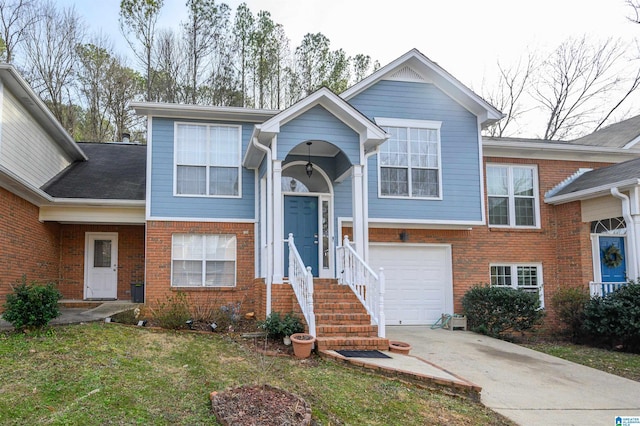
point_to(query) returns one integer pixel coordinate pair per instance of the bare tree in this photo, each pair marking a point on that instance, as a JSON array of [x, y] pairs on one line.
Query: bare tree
[[122, 86], [51, 58], [575, 82], [170, 76], [507, 94], [16, 17]]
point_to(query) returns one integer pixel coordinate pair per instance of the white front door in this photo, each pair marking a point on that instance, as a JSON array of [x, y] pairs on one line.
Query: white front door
[[419, 285], [101, 265]]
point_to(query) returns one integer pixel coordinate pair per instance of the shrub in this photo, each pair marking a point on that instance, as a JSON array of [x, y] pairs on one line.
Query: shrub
[[614, 320], [31, 305], [173, 313], [227, 316], [277, 325], [569, 304], [496, 310]]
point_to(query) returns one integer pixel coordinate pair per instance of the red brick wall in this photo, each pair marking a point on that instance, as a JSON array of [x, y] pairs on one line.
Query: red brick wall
[[130, 258], [562, 244], [28, 246], [158, 272]]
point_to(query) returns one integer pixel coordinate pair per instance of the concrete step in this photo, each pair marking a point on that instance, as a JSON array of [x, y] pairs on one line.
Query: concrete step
[[353, 343]]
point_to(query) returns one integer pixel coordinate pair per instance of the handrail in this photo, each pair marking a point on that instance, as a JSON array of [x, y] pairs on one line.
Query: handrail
[[368, 286], [602, 289], [301, 279]]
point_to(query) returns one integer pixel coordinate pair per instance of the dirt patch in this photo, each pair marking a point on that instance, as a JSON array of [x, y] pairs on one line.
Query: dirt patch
[[260, 405]]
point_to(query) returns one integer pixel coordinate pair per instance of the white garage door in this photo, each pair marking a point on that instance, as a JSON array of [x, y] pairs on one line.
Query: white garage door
[[419, 287]]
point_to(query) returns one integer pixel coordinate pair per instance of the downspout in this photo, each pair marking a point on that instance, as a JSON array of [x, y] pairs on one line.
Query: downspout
[[269, 224], [365, 201], [631, 232]]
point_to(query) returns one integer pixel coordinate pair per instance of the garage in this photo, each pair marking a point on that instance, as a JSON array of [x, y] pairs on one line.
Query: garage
[[419, 285]]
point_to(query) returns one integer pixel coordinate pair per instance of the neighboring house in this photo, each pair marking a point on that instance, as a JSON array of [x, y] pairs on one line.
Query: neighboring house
[[396, 163]]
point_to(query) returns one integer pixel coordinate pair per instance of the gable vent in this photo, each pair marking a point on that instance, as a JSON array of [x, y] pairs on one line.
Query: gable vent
[[406, 73]]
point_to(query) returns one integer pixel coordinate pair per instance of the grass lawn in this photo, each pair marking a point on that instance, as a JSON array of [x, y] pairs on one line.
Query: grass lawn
[[618, 363], [110, 374]]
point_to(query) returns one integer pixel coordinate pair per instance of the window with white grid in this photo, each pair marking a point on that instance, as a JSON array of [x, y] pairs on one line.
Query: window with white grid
[[512, 193], [409, 161], [526, 277], [203, 260], [207, 159]]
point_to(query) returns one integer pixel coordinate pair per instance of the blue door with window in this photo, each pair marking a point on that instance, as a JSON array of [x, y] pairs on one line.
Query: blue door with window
[[613, 265], [301, 220]]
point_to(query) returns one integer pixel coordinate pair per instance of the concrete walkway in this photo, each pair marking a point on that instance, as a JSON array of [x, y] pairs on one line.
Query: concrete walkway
[[528, 387]]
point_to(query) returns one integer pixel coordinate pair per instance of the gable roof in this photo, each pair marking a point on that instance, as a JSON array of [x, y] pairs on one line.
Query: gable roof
[[598, 182], [113, 171], [371, 135], [43, 116], [413, 65], [623, 134]]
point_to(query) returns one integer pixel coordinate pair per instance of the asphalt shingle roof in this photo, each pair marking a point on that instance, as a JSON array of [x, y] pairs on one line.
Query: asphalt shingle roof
[[616, 135], [114, 171], [604, 176]]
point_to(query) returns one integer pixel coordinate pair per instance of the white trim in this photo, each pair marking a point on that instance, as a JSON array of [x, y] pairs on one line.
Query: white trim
[[416, 223], [523, 148], [149, 182], [208, 165], [514, 276], [91, 214], [199, 219], [402, 122], [632, 143], [511, 196], [183, 111], [595, 192], [483, 206], [2, 118], [204, 260]]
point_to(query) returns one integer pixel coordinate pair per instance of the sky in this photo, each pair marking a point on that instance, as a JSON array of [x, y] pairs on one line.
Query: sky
[[465, 37]]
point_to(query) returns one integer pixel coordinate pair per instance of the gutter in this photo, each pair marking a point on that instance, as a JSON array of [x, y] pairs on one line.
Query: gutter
[[631, 232]]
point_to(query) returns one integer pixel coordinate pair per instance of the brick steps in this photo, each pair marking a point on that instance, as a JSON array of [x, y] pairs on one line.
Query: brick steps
[[341, 320]]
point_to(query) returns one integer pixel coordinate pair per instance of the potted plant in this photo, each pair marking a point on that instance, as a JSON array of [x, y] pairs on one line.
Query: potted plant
[[278, 326], [302, 344]]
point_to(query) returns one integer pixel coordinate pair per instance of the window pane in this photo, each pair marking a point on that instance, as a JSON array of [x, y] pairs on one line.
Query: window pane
[[424, 183], [191, 144], [497, 181], [221, 274], [225, 146], [522, 181], [527, 276], [394, 153], [191, 180], [498, 211], [102, 254], [187, 273], [394, 181], [187, 246], [221, 247], [525, 215], [501, 275], [223, 181]]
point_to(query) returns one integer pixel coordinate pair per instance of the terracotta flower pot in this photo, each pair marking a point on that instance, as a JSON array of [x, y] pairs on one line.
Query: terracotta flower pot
[[302, 344], [399, 347]]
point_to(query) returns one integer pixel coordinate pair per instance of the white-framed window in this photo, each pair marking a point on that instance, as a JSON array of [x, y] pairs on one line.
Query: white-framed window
[[512, 193], [203, 260], [207, 160], [409, 161], [526, 277]]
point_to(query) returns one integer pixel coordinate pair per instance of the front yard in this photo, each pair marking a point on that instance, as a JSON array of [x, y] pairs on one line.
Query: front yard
[[111, 374]]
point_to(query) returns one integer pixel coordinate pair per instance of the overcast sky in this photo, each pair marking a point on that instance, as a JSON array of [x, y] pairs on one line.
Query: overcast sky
[[466, 37]]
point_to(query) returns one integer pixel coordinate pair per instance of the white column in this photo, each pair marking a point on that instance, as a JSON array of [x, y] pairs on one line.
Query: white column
[[278, 232], [357, 209]]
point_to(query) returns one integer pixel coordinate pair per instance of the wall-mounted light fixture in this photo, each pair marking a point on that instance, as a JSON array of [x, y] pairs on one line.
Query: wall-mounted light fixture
[[309, 166], [404, 236]]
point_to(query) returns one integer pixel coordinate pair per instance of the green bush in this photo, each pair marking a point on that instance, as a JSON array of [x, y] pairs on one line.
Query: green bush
[[496, 310], [614, 320], [31, 305], [569, 304], [173, 313], [277, 325]]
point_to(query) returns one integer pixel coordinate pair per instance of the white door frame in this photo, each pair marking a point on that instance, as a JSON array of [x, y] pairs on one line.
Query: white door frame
[[90, 237]]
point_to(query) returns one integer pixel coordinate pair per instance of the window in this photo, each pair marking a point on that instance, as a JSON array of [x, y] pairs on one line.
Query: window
[[207, 160], [521, 277], [203, 260], [409, 161], [513, 196]]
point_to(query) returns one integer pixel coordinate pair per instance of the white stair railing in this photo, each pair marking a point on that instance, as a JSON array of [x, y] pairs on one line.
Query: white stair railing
[[364, 282], [602, 289], [301, 279]]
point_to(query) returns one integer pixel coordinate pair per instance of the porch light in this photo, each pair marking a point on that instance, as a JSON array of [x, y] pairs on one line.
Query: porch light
[[309, 166], [404, 236]]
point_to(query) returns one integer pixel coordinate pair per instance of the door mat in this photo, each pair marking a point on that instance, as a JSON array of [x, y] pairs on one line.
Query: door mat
[[363, 354]]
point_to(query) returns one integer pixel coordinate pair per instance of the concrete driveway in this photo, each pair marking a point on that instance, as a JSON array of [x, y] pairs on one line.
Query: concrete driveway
[[528, 387]]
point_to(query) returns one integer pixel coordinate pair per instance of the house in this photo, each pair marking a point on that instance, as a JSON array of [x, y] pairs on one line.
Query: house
[[388, 188]]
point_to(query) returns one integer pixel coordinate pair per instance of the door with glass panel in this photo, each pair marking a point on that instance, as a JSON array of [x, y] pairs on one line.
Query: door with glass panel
[[101, 265]]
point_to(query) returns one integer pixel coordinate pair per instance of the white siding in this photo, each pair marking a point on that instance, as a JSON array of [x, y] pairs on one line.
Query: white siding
[[25, 148], [601, 208]]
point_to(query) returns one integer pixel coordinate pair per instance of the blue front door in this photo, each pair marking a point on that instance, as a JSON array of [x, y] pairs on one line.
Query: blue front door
[[301, 220], [608, 272]]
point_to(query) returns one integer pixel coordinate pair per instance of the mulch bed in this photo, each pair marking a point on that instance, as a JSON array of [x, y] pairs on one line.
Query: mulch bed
[[259, 405]]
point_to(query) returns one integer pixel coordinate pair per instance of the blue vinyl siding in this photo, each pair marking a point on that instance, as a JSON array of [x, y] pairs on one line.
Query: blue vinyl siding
[[165, 204], [460, 163], [319, 124]]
